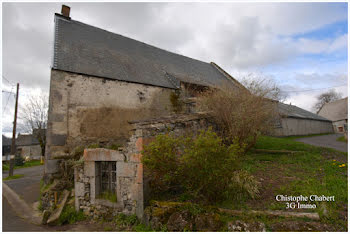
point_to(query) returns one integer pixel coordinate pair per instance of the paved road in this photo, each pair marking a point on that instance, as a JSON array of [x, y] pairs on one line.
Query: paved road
[[329, 141], [12, 223], [27, 187]]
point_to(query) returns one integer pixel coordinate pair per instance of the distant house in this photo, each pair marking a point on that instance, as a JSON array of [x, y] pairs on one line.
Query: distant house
[[28, 145], [295, 121], [336, 111]]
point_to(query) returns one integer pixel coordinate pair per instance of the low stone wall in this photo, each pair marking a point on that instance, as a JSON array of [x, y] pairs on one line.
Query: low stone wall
[[131, 186]]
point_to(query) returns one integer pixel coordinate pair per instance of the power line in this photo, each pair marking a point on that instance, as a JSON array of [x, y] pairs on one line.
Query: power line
[[8, 98], [8, 81], [307, 90], [5, 91]]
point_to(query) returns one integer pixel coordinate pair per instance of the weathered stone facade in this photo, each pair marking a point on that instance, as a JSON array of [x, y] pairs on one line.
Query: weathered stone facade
[[85, 110], [131, 189]]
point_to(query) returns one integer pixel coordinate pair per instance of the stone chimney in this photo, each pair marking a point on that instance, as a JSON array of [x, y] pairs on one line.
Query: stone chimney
[[65, 11]]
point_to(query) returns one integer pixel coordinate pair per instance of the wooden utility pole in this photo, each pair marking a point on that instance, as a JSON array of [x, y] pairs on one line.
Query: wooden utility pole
[[13, 145]]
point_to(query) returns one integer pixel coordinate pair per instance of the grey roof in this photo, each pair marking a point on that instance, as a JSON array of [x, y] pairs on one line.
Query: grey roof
[[84, 49], [26, 140], [337, 110], [297, 112]]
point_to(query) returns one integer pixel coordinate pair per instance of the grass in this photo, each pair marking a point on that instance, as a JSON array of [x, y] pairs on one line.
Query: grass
[[315, 170], [342, 138], [13, 177], [32, 163], [112, 197], [69, 215], [304, 136]]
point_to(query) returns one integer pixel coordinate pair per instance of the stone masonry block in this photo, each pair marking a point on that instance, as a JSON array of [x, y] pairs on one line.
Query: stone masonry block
[[135, 158], [102, 155], [57, 117], [126, 169], [51, 166], [79, 189], [89, 168], [56, 139]]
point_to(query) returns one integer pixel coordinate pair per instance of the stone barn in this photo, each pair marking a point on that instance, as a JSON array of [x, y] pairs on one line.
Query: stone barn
[[100, 83], [336, 111], [295, 121]]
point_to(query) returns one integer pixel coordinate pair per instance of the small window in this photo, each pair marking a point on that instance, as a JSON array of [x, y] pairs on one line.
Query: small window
[[107, 179]]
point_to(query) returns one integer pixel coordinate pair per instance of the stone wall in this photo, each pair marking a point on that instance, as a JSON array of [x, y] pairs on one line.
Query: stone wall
[[132, 191], [84, 110]]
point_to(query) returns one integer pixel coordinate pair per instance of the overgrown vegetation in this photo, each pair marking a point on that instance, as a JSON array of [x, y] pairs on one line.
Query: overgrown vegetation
[[69, 215], [242, 114], [32, 163], [17, 176], [315, 170], [110, 196], [201, 166], [312, 170]]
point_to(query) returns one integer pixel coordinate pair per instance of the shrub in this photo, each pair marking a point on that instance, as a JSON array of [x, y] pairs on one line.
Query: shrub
[[208, 165], [242, 114], [161, 160], [69, 215], [202, 166], [19, 161]]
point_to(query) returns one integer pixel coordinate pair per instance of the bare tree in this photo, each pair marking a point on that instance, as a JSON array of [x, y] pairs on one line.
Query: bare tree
[[33, 116], [329, 96], [243, 114]]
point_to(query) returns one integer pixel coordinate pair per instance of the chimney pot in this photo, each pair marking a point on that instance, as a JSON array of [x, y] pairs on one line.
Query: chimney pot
[[65, 11]]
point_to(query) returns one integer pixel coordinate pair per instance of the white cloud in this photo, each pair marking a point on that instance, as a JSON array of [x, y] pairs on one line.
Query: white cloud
[[244, 38]]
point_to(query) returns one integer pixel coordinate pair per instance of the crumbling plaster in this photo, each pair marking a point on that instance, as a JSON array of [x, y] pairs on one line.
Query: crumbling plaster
[[85, 109]]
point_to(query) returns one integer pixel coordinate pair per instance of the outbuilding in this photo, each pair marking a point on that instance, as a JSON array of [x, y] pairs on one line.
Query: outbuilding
[[336, 111], [295, 121]]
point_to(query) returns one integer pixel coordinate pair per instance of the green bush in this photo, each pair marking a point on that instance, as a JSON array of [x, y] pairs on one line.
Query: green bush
[[203, 166], [161, 160], [208, 165], [19, 161]]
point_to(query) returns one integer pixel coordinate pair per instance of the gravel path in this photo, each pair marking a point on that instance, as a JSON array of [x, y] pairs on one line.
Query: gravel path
[[329, 141]]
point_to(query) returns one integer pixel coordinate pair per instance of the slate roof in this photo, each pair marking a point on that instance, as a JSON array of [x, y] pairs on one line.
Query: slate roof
[[337, 110], [26, 140], [297, 112], [84, 49]]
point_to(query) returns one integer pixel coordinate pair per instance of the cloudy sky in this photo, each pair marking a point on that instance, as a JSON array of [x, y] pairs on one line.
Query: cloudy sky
[[301, 46]]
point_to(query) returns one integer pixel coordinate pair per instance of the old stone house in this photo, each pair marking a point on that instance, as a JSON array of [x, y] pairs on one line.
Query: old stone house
[[100, 81], [103, 83], [336, 111], [29, 145], [295, 121]]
